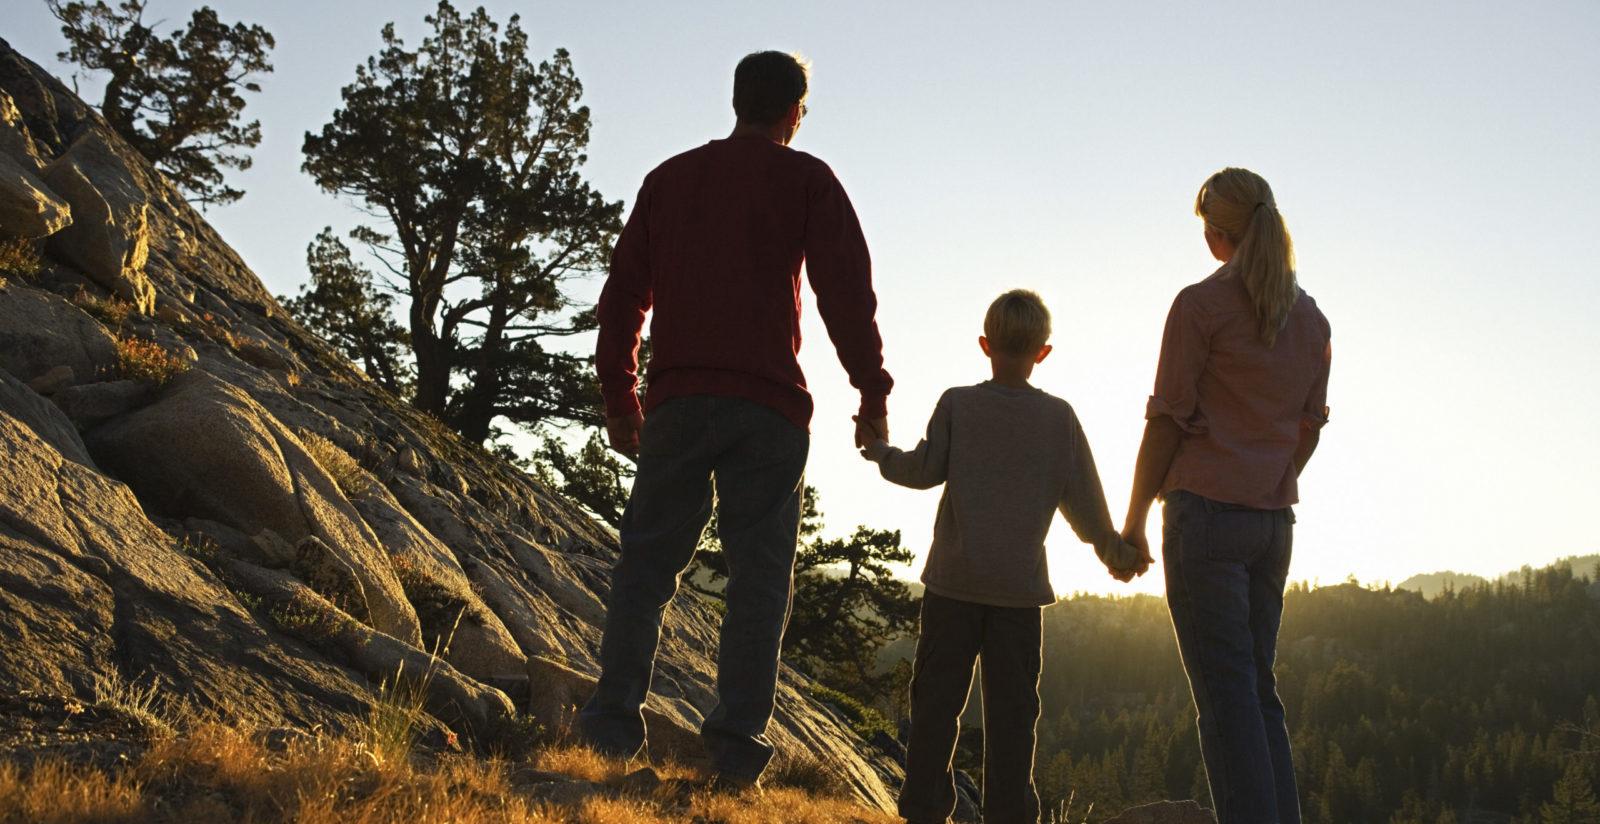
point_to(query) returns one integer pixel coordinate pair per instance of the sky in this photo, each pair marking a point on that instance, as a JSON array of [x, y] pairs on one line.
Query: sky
[[1435, 163]]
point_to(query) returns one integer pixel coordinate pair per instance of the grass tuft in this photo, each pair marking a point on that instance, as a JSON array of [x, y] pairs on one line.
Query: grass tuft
[[345, 470], [142, 701], [19, 258]]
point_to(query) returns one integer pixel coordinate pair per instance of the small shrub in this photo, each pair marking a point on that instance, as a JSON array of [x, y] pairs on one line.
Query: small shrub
[[863, 719], [147, 361], [19, 258], [304, 620], [198, 546], [110, 311], [345, 471]]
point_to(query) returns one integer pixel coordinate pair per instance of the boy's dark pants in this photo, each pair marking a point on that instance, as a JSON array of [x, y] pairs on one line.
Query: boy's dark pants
[[758, 459], [953, 635]]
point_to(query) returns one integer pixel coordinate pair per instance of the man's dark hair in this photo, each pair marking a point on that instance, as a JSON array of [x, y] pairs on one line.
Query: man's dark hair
[[766, 84]]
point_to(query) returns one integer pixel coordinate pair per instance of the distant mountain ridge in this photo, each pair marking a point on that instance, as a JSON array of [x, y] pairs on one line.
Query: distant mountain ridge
[[1434, 584]]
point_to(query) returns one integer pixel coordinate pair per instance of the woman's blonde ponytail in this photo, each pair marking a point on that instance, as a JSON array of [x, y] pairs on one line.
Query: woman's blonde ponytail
[[1239, 204]]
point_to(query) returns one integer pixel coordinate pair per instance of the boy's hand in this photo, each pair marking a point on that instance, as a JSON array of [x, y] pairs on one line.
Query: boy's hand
[[869, 430], [623, 432], [875, 451]]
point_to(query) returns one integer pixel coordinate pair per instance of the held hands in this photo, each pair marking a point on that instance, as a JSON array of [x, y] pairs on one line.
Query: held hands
[[1135, 538], [868, 431], [623, 432]]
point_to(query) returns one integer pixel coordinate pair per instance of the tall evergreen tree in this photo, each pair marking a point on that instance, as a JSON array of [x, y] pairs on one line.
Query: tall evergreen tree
[[471, 153]]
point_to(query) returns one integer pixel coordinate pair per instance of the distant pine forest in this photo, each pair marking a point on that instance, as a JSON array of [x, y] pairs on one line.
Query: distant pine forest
[[1477, 704]]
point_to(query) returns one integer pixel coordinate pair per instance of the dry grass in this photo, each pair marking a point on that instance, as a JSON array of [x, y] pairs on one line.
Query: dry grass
[[585, 764], [112, 312], [147, 361], [220, 773], [56, 794], [19, 258], [346, 472]]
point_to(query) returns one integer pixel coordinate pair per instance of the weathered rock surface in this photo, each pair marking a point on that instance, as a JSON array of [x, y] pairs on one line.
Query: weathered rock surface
[[40, 331], [184, 534], [15, 141], [27, 206], [1166, 812], [91, 589]]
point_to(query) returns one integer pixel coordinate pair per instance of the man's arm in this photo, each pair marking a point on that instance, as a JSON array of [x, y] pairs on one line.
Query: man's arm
[[626, 298], [840, 270]]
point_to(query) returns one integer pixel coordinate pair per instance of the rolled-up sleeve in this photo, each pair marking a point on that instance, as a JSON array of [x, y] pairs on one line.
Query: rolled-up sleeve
[[1315, 413], [1185, 345]]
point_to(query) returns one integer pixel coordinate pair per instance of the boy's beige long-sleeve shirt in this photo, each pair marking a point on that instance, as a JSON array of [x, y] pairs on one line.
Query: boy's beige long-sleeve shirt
[[1009, 458]]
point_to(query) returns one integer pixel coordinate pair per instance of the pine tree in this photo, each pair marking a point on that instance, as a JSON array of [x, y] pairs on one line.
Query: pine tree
[[177, 99], [1574, 801]]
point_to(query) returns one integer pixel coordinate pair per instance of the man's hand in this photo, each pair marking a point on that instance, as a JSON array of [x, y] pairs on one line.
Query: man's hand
[[869, 430], [623, 431]]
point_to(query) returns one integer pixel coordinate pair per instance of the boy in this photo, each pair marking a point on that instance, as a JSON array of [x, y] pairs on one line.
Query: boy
[[1009, 455]]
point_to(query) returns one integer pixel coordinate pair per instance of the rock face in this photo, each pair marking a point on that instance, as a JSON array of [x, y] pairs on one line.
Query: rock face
[[27, 207], [266, 535]]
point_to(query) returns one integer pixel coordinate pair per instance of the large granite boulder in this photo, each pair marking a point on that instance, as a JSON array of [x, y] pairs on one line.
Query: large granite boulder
[[40, 331], [207, 450], [109, 238]]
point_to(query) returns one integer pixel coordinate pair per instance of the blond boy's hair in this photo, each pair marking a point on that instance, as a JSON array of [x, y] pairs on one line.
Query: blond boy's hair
[[1017, 323]]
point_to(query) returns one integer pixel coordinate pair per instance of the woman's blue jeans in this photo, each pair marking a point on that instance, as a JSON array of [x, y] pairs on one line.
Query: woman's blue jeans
[[757, 459], [1226, 567]]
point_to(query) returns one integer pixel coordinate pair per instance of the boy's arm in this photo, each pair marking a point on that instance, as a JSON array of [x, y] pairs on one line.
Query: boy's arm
[[1083, 503], [925, 467]]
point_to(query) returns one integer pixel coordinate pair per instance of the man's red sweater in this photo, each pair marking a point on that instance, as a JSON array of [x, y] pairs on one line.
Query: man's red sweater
[[714, 245]]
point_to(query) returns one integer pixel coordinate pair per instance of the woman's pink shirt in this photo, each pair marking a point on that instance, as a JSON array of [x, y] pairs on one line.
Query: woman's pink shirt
[[1241, 405]]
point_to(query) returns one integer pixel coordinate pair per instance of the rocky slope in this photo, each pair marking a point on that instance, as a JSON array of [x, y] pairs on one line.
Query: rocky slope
[[200, 494]]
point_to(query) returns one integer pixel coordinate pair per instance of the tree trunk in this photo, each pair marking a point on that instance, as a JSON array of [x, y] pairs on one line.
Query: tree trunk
[[433, 368]]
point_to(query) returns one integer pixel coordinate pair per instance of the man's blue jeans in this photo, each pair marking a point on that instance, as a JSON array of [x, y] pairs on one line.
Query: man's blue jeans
[[1226, 566], [757, 458]]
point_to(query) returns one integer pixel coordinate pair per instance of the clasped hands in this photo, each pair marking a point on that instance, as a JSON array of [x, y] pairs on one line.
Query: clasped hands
[[870, 431], [1133, 536]]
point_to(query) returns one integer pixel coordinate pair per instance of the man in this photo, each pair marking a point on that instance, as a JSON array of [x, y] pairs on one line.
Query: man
[[714, 246]]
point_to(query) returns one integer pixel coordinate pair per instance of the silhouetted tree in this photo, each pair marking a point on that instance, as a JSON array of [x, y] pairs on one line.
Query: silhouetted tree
[[597, 478], [343, 303], [470, 153], [177, 99], [848, 604]]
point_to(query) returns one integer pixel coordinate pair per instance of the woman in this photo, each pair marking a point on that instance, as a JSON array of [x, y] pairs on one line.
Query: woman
[[1239, 400]]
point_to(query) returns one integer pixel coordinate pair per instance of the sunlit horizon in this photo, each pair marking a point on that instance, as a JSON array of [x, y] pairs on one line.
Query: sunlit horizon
[[1434, 164]]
